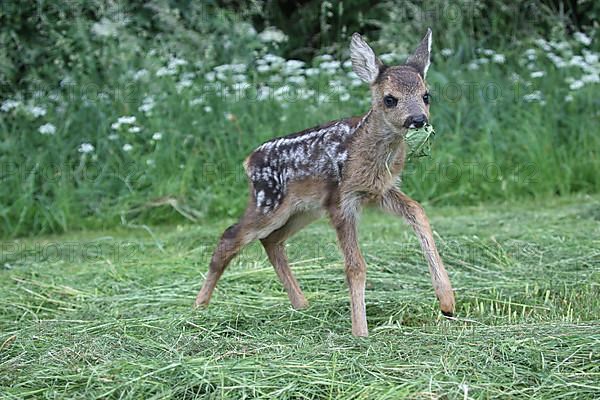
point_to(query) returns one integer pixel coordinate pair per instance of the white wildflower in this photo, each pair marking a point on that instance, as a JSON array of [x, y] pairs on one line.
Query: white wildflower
[[347, 64], [324, 57], [235, 68], [591, 78], [569, 98], [175, 62], [141, 74], [196, 101], [473, 66], [311, 71], [487, 52], [532, 97], [263, 93], [298, 80], [345, 96], [282, 92], [85, 148], [556, 60], [147, 105], [123, 121], [135, 129], [561, 46], [583, 38], [113, 136], [543, 44], [577, 61], [36, 111], [273, 59], [150, 162], [530, 54], [576, 85], [537, 74], [127, 147], [47, 129], [240, 78], [157, 136], [208, 109], [272, 35], [447, 52], [182, 84], [330, 65], [293, 67], [127, 120], [163, 71], [499, 58], [9, 104], [105, 28], [590, 57], [210, 76], [263, 68]]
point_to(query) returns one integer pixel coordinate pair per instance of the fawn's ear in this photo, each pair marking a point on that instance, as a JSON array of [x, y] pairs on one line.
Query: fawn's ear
[[420, 59], [364, 62]]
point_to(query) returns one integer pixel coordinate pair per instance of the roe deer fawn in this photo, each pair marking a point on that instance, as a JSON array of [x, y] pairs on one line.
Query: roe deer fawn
[[335, 169]]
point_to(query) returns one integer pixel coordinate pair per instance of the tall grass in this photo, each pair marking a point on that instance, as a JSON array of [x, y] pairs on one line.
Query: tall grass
[[498, 138]]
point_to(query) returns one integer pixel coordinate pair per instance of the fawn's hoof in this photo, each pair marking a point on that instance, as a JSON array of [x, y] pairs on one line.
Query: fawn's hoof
[[360, 333], [200, 302], [300, 305], [448, 314]]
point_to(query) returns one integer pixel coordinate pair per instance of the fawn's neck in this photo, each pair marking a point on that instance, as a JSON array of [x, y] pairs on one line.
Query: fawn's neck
[[378, 142]]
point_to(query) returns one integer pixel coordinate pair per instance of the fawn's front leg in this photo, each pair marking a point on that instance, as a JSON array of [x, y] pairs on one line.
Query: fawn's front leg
[[356, 270], [398, 203]]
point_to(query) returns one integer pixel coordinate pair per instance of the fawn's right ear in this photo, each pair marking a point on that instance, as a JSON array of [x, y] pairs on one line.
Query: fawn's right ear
[[364, 62]]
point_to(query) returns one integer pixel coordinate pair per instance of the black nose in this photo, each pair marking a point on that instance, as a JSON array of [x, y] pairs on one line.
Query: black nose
[[415, 121]]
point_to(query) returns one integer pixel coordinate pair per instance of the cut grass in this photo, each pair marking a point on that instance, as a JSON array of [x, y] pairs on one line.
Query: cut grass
[[93, 314]]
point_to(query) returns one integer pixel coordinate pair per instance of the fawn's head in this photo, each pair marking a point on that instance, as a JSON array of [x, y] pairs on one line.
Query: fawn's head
[[398, 92]]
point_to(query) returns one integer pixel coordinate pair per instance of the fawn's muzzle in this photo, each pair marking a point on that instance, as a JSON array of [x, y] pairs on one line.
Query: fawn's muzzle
[[415, 121]]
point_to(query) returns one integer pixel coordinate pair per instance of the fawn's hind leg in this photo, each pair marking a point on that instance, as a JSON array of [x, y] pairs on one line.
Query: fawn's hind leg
[[232, 241], [274, 245]]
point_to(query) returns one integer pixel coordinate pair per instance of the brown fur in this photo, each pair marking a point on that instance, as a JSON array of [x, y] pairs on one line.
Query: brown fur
[[375, 159]]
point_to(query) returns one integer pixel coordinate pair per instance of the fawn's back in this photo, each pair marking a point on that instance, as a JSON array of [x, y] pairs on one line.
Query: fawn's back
[[315, 154]]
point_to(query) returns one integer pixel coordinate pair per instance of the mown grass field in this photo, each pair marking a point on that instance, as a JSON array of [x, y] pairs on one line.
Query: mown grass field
[[108, 314]]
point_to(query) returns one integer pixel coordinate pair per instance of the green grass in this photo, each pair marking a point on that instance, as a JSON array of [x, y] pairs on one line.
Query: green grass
[[492, 145], [108, 314]]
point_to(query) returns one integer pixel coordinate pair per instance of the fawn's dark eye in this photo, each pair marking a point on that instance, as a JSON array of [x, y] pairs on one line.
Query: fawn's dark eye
[[426, 98], [390, 101]]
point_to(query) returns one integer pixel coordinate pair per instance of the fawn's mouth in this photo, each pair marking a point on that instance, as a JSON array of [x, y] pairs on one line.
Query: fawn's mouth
[[419, 141]]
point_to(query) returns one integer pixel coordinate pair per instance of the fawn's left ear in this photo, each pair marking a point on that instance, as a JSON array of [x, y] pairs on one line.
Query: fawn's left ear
[[420, 59]]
